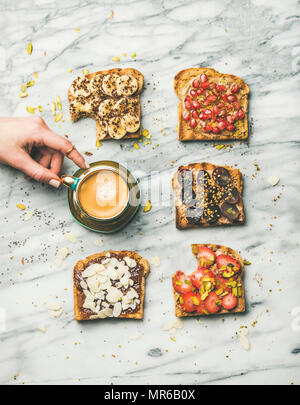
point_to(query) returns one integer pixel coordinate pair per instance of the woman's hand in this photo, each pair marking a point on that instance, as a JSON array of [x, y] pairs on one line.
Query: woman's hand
[[30, 146]]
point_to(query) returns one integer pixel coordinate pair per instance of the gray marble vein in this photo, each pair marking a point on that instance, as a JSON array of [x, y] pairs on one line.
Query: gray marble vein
[[257, 40]]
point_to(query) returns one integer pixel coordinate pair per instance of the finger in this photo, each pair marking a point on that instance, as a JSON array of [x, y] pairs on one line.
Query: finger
[[45, 159], [63, 145], [36, 171], [56, 162]]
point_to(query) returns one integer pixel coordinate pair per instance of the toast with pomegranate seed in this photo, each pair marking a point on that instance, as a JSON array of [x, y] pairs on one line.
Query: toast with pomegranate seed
[[207, 195], [110, 284], [212, 105], [216, 287], [112, 98]]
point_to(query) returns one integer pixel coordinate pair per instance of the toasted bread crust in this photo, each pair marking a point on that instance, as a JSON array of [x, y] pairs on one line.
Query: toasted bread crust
[[82, 264], [241, 300], [182, 82], [180, 219], [140, 79]]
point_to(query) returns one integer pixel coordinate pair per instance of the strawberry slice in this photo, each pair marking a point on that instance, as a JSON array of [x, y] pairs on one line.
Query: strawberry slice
[[190, 301], [212, 303], [228, 265], [206, 256], [196, 277], [182, 283], [221, 283], [229, 301]]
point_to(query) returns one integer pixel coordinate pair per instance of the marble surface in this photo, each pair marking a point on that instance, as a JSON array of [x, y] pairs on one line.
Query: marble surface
[[257, 40]]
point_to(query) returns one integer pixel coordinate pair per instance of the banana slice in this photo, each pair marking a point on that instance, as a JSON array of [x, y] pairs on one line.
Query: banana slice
[[80, 87], [126, 85], [109, 84], [101, 130], [115, 128], [96, 82], [121, 106], [105, 108], [130, 122]]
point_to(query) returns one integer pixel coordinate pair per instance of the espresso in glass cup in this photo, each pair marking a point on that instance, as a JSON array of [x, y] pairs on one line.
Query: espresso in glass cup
[[103, 198]]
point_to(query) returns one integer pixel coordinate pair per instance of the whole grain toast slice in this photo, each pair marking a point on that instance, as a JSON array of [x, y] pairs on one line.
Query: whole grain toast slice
[[182, 85], [138, 275], [217, 249], [75, 115], [180, 208]]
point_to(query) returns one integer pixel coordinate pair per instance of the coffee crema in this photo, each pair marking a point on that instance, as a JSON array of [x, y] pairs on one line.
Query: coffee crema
[[103, 194]]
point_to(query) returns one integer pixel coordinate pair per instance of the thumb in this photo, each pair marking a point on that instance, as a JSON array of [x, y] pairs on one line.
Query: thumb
[[39, 173]]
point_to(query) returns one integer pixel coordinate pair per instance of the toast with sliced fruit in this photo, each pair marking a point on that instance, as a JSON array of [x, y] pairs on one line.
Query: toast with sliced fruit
[[207, 195], [216, 287], [112, 99], [212, 105], [110, 284]]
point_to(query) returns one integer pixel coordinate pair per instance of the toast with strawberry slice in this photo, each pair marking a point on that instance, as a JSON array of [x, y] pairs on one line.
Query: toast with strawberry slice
[[212, 105], [216, 287]]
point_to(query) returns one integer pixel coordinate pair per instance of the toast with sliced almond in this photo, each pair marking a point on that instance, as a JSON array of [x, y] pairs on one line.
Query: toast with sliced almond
[[207, 195], [216, 287], [110, 284], [212, 105], [112, 98]]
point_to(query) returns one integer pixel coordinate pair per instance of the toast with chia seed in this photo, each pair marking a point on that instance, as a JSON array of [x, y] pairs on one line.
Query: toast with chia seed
[[112, 98]]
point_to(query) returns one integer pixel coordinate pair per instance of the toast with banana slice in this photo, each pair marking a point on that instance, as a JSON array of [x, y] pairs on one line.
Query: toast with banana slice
[[212, 105], [110, 284], [216, 287], [112, 99]]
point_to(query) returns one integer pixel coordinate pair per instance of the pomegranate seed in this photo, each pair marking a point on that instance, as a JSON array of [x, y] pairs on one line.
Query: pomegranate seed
[[208, 128], [235, 115], [230, 127], [220, 87], [234, 88], [203, 78], [213, 119], [195, 114], [193, 93], [196, 105], [207, 112], [231, 98], [202, 116], [222, 124], [199, 92], [229, 119], [216, 130], [211, 99], [188, 98], [186, 116], [224, 97], [193, 123], [196, 83], [241, 114], [220, 105], [205, 85], [222, 113], [188, 105], [236, 105], [205, 103], [215, 110], [229, 106]]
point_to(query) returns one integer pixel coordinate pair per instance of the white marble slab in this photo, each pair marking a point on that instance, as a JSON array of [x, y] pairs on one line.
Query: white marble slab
[[256, 40]]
